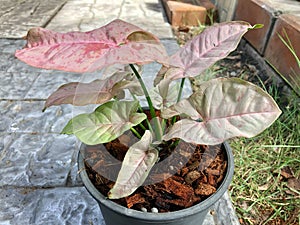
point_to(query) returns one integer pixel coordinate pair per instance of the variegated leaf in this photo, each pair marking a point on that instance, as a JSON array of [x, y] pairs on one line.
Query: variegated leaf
[[182, 108], [136, 166], [95, 92], [106, 123], [213, 44], [165, 94], [115, 43], [227, 107]]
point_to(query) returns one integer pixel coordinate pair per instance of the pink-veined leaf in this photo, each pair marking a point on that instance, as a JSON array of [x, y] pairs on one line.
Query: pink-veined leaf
[[227, 107], [106, 123], [164, 94], [182, 108], [136, 166], [118, 42], [95, 92], [213, 44]]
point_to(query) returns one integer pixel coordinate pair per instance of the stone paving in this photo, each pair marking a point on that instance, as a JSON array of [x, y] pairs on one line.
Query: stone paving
[[39, 183], [17, 16]]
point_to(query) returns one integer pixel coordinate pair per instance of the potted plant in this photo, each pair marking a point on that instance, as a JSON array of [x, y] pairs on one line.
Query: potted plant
[[221, 109]]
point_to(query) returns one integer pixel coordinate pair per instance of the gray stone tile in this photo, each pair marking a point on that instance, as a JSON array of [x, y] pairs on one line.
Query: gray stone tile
[[79, 16], [15, 85], [209, 219], [18, 66], [9, 46], [27, 116], [59, 206], [36, 160], [85, 16], [170, 45], [16, 17], [224, 213], [6, 62], [74, 179], [47, 83], [147, 15]]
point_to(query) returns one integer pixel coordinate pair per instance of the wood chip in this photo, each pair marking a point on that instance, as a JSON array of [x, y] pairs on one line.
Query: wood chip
[[134, 199], [205, 189], [192, 176]]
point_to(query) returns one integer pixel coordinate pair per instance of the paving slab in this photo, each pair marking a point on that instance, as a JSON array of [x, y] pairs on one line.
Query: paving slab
[[36, 160], [59, 206], [17, 16], [223, 212], [88, 15]]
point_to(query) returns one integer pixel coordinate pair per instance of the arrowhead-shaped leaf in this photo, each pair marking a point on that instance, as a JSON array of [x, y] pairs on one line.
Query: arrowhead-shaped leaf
[[106, 123], [115, 43], [213, 44], [95, 92], [182, 108], [227, 107], [165, 94], [136, 166]]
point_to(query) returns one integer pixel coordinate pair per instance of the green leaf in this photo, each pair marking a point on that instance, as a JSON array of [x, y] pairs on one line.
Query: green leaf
[[136, 166], [227, 107], [257, 26], [106, 123]]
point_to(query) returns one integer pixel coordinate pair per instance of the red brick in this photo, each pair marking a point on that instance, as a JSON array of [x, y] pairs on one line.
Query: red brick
[[210, 9], [278, 54], [264, 12], [256, 12], [187, 12]]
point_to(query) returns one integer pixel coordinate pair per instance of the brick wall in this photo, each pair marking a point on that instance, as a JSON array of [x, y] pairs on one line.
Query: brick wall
[[280, 17]]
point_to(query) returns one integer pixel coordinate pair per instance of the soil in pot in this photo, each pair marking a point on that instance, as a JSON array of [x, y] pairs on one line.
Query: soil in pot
[[185, 175]]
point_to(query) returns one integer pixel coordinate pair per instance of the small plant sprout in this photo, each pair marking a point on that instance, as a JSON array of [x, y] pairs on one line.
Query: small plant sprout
[[222, 108]]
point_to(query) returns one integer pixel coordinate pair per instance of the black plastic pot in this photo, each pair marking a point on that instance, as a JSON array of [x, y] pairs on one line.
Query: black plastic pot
[[115, 214]]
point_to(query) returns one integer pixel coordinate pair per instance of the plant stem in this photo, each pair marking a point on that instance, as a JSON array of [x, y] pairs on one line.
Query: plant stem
[[179, 96], [135, 132], [157, 127], [150, 104], [143, 127], [141, 109], [180, 89]]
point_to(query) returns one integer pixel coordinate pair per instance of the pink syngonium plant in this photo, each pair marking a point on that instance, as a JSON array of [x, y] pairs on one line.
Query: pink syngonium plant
[[222, 108]]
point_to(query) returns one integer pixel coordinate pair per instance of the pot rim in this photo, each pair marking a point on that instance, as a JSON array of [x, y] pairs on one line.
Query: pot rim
[[202, 206]]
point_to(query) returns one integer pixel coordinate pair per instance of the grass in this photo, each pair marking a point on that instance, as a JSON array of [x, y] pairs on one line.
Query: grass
[[262, 191]]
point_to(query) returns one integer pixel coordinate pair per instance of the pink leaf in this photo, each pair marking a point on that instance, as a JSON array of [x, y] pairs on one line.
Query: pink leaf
[[221, 109], [95, 92], [213, 44], [117, 42], [138, 161]]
